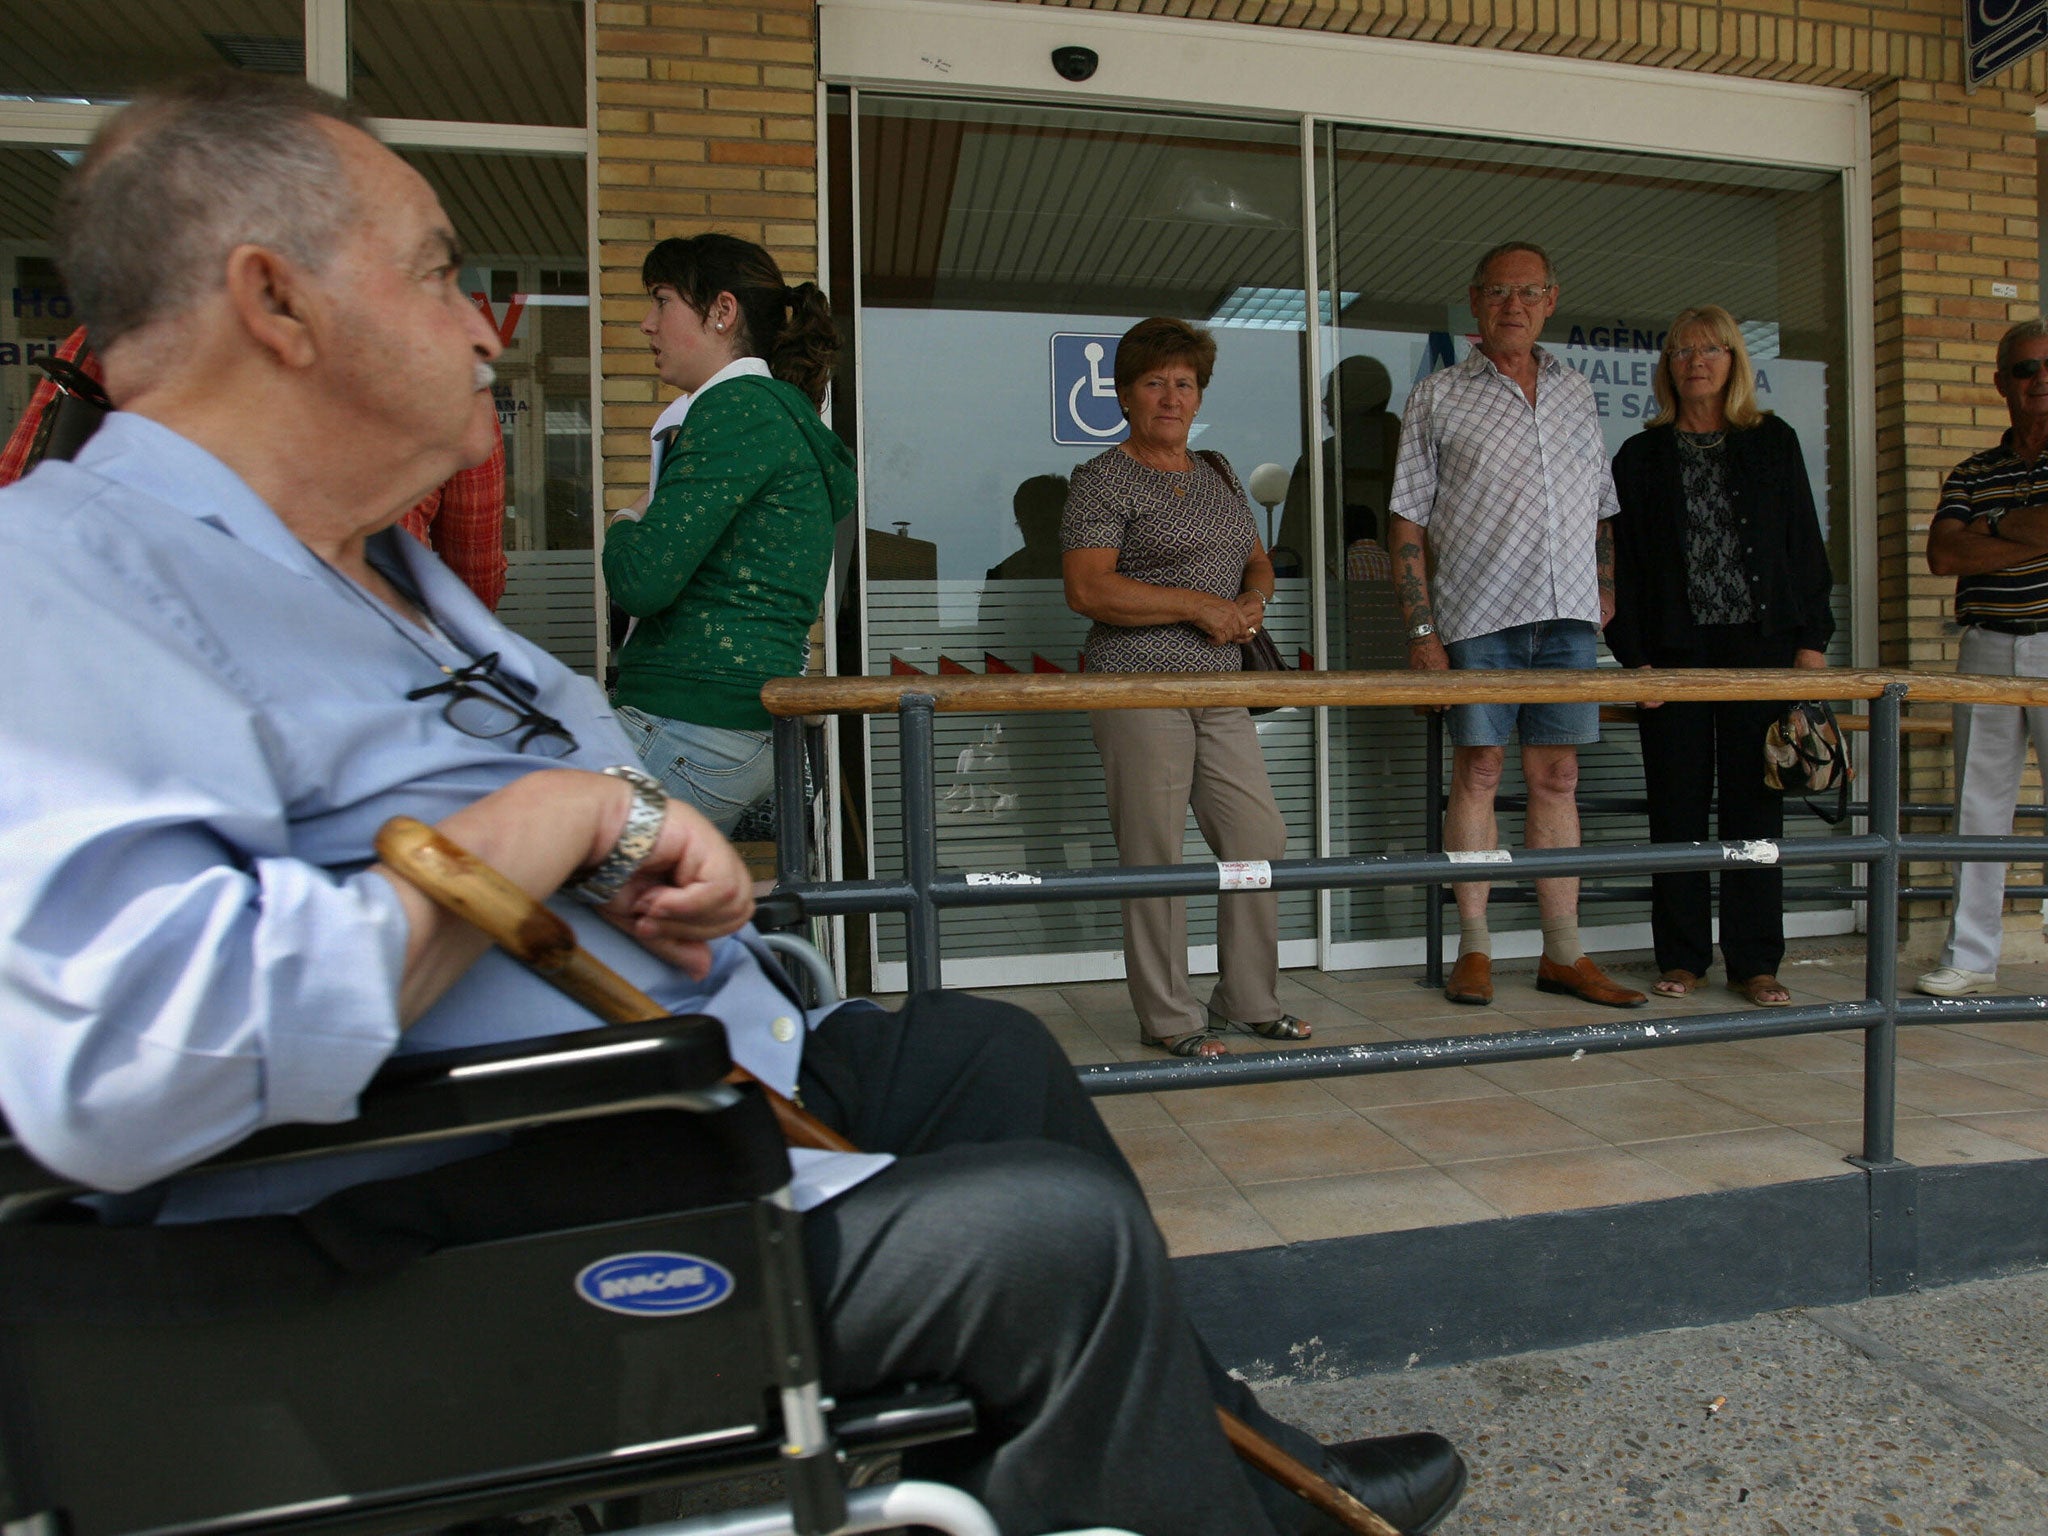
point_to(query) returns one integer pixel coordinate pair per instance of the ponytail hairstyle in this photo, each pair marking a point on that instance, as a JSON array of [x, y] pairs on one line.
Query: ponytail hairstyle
[[790, 327]]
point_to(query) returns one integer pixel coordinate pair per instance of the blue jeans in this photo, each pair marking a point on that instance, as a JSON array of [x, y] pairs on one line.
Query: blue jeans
[[1566, 644], [721, 772]]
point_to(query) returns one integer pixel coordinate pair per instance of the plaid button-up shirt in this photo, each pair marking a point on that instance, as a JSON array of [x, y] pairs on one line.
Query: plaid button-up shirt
[[1512, 494]]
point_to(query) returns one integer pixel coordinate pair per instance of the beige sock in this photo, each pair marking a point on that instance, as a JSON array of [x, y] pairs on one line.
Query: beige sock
[[1561, 944], [1473, 936]]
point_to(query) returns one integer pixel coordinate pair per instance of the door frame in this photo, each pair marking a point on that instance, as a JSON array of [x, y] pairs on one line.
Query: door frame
[[969, 49]]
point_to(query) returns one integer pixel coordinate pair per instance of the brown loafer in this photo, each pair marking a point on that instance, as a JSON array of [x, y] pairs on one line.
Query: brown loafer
[[1585, 981], [1471, 980]]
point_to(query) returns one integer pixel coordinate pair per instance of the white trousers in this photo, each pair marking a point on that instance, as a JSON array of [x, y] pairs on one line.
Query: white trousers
[[1991, 752]]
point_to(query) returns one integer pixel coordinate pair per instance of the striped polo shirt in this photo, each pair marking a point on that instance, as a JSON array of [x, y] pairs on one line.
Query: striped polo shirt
[[1998, 480]]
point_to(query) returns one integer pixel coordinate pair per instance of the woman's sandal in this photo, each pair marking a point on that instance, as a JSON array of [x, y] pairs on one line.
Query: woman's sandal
[[1675, 983], [1286, 1027], [1195, 1043], [1756, 986]]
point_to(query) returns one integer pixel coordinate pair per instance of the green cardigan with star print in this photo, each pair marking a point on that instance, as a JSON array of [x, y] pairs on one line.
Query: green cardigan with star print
[[727, 569]]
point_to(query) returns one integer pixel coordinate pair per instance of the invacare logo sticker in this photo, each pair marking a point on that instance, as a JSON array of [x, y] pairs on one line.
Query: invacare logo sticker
[[654, 1284]]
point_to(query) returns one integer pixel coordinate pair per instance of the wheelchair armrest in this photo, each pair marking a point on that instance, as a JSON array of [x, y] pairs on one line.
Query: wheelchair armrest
[[779, 911], [675, 1063]]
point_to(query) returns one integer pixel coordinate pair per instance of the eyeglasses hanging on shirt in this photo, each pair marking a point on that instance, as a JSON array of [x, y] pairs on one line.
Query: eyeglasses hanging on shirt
[[481, 700], [488, 704]]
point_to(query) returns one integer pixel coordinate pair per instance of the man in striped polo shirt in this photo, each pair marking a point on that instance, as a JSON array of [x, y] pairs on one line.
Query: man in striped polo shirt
[[1991, 533]]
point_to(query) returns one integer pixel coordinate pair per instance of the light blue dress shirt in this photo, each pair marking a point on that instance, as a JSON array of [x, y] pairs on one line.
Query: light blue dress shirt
[[203, 728]]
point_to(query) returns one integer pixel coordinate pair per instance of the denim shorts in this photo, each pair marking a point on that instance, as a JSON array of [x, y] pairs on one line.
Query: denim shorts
[[721, 772], [1566, 644]]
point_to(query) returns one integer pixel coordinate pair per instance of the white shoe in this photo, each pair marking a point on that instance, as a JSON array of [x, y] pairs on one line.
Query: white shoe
[[1954, 981]]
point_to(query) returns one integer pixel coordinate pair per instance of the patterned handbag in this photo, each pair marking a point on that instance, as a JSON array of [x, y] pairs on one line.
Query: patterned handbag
[[1804, 754]]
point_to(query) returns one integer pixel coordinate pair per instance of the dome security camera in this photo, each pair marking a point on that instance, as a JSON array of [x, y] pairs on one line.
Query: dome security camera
[[1076, 64]]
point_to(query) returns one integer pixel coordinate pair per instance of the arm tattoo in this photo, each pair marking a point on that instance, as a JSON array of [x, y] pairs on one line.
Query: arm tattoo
[[1603, 553], [1413, 595]]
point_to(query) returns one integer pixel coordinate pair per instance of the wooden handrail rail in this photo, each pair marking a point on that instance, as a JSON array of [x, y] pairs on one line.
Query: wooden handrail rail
[[1007, 693]]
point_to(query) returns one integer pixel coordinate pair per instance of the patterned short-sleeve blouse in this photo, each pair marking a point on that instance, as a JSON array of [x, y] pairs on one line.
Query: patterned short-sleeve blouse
[[1192, 529]]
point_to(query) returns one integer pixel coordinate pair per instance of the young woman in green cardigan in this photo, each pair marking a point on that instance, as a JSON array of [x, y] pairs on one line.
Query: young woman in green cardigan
[[725, 567]]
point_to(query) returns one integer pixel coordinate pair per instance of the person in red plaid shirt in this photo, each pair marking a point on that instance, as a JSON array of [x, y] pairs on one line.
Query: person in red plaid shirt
[[462, 521]]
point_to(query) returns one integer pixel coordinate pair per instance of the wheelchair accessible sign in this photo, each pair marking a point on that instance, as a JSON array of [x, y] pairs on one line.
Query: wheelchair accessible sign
[[1084, 409]]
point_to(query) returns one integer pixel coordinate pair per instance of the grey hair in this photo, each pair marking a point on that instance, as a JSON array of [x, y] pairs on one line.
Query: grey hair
[[2026, 330], [1509, 248], [184, 174]]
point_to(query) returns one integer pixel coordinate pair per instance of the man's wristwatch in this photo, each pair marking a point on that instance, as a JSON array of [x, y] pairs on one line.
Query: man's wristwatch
[[1418, 632], [636, 839]]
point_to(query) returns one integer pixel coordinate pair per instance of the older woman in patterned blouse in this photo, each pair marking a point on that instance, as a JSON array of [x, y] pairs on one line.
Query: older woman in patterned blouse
[[1719, 562], [1161, 552]]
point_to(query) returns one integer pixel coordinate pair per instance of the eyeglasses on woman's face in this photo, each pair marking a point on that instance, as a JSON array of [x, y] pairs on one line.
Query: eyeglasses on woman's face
[[1708, 352], [485, 703], [1500, 293]]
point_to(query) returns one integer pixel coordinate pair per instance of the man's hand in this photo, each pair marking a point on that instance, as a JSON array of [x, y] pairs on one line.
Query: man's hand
[[1648, 703], [693, 888], [1428, 655], [1809, 661]]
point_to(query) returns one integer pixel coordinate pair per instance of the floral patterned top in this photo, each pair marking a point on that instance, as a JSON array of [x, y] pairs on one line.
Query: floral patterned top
[[1716, 576]]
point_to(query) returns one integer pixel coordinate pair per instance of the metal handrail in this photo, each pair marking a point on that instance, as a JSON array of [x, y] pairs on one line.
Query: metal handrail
[[1882, 849]]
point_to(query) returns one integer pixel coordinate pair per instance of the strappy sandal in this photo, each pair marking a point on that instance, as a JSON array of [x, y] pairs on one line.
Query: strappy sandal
[[1676, 983], [1754, 986], [1286, 1027], [1195, 1043]]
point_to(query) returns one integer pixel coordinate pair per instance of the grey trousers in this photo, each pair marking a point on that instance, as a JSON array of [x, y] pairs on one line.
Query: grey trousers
[[1010, 1252], [1156, 763], [1991, 751]]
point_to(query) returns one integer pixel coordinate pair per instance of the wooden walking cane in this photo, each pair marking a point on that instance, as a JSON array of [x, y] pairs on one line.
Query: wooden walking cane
[[456, 879]]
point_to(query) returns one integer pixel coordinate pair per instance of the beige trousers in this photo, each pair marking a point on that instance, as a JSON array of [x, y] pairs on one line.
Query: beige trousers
[[1158, 763]]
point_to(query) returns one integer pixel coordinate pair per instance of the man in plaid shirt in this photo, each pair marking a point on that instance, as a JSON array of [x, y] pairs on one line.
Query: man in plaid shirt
[[1502, 486], [463, 521]]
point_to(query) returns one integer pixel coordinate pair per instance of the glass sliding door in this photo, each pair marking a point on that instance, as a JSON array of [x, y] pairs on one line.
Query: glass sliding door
[[1401, 218], [1003, 250]]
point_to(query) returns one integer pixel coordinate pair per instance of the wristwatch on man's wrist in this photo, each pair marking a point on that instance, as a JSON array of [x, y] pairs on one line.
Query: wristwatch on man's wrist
[[635, 841], [1417, 633]]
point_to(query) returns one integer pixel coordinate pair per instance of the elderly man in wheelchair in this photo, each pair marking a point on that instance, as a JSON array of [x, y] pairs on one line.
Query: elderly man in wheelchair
[[323, 1215]]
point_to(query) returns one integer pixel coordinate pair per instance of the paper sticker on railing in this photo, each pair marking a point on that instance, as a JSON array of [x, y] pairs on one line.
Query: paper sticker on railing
[[1479, 856], [1244, 875], [1760, 852], [1001, 877]]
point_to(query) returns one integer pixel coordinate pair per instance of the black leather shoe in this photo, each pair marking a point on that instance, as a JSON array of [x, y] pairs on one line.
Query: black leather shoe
[[1410, 1481]]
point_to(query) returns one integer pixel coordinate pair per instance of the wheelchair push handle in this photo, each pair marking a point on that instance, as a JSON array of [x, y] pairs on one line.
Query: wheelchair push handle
[[456, 879]]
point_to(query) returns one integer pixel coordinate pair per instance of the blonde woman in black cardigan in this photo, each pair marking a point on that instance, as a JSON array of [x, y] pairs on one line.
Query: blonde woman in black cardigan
[[1719, 562]]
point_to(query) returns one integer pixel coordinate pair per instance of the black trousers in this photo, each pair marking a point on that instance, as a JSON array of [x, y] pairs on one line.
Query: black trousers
[[1011, 1252], [1686, 747]]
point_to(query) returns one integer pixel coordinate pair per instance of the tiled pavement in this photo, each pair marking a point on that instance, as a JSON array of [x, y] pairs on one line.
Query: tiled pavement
[[1246, 1167]]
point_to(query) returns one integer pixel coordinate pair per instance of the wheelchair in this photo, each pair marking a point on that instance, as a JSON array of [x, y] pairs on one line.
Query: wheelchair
[[579, 1366]]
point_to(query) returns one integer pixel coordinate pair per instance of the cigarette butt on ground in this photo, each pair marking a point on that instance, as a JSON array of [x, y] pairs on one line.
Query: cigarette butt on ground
[[1716, 1405]]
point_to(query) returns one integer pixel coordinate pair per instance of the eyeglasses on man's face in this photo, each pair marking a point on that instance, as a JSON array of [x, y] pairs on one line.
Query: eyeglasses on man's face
[[2024, 368], [1710, 352], [1528, 293], [485, 703]]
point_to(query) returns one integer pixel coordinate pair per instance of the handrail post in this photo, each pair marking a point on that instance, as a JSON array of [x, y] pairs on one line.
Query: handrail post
[[792, 857], [915, 742], [1881, 947], [1433, 842]]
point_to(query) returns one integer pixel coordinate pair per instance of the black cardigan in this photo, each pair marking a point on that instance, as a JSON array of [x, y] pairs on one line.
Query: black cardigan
[[1789, 577]]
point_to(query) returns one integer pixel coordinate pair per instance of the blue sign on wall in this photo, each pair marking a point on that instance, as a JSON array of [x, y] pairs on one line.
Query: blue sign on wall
[[2000, 32], [1084, 409]]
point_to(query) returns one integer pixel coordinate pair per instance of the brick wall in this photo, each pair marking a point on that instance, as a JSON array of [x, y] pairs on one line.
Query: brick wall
[[706, 119]]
